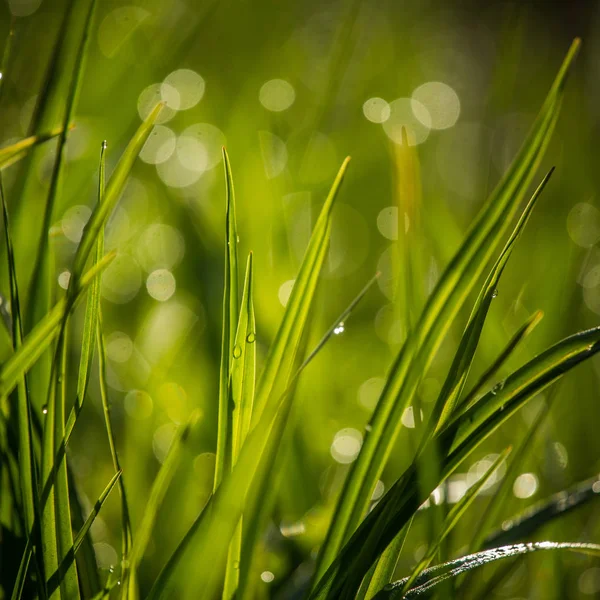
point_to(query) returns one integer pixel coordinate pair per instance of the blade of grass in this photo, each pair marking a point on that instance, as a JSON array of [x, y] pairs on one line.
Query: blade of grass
[[541, 513], [90, 324], [44, 333], [157, 494], [443, 305], [461, 365], [112, 194], [382, 572], [404, 497], [209, 537], [26, 454], [69, 559], [230, 319], [241, 400], [39, 283], [436, 575], [521, 334], [11, 154], [126, 535], [453, 517]]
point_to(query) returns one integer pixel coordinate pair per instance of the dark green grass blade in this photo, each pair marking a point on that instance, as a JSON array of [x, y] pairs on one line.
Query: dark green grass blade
[[230, 319], [241, 399], [453, 517], [26, 455], [15, 152], [520, 335], [42, 262], [442, 307], [436, 575], [556, 506], [209, 537], [157, 494], [404, 497], [69, 560], [19, 586], [90, 324], [382, 572], [44, 333]]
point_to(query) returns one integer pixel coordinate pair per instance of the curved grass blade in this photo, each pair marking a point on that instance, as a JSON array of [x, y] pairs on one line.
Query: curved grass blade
[[26, 454], [523, 332], [208, 538], [241, 399], [44, 332], [554, 507], [15, 152], [69, 559], [443, 305], [404, 497], [453, 517], [436, 575], [157, 494], [230, 319]]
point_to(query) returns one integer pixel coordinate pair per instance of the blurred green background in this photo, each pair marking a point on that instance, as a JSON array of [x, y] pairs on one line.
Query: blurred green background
[[291, 88]]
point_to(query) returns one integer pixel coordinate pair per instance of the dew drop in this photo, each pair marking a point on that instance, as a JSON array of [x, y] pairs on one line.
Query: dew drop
[[494, 293], [498, 387], [251, 338], [368, 427], [111, 569], [45, 409], [339, 329], [237, 351]]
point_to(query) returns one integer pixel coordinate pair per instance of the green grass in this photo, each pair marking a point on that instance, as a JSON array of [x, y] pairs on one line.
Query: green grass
[[57, 382]]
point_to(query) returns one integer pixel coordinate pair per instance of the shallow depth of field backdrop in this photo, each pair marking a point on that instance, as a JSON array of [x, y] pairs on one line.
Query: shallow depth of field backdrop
[[291, 88]]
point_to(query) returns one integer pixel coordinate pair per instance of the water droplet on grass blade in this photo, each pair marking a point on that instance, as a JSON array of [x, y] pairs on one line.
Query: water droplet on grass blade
[[45, 409], [498, 388], [251, 338], [237, 351], [339, 329], [494, 293]]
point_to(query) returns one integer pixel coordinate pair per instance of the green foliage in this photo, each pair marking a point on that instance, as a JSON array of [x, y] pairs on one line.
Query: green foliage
[[242, 432]]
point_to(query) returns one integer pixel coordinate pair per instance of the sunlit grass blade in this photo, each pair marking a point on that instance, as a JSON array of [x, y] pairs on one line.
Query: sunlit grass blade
[[453, 517], [475, 425], [90, 324], [230, 320], [436, 575], [520, 335], [241, 399], [461, 365], [44, 333], [442, 307], [209, 537], [11, 154], [157, 494], [556, 506], [69, 559], [113, 192], [266, 485], [382, 572], [26, 454]]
